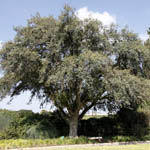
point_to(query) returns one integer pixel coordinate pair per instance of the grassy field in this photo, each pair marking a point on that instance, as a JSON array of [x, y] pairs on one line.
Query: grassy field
[[124, 147], [54, 144], [22, 143], [93, 116]]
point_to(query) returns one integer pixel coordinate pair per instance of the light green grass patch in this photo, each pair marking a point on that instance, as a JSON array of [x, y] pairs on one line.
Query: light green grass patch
[[21, 143], [123, 147]]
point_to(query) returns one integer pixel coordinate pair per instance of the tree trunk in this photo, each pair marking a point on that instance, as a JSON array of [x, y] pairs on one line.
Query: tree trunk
[[73, 126]]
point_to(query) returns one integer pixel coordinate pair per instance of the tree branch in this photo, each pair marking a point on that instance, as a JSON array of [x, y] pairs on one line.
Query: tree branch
[[85, 110], [90, 106], [63, 114]]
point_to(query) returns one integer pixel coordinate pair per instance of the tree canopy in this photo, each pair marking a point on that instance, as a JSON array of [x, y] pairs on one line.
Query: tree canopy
[[76, 64]]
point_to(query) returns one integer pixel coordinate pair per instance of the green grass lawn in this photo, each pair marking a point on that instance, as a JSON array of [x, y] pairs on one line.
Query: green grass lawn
[[124, 147], [93, 116], [70, 144], [22, 143]]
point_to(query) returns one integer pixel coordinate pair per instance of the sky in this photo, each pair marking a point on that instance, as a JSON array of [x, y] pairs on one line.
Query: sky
[[134, 13]]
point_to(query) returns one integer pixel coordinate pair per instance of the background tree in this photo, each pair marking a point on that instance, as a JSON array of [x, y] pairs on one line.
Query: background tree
[[75, 65]]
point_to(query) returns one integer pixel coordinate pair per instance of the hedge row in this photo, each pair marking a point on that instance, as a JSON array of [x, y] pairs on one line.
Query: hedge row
[[26, 124]]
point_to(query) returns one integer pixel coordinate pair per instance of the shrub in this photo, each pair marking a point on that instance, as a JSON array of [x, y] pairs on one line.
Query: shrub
[[41, 131], [133, 122], [105, 126], [6, 117], [27, 124]]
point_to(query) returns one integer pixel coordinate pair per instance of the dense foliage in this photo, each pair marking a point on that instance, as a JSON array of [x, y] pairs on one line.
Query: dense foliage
[[6, 117], [28, 125], [76, 65]]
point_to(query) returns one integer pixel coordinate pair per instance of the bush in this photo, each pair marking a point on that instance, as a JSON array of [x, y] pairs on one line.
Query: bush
[[27, 124], [105, 126], [133, 122], [41, 131], [6, 117]]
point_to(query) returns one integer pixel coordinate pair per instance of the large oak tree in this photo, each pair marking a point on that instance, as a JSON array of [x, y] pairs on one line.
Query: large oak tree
[[76, 65]]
